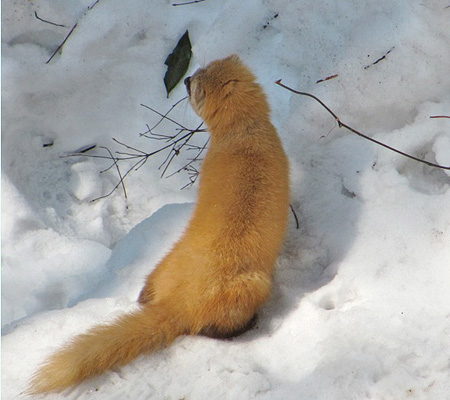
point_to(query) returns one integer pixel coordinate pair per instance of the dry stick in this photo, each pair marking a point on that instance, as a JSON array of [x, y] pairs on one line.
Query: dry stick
[[48, 22], [193, 174], [86, 149], [440, 116], [164, 116], [118, 171], [121, 182], [380, 59], [196, 158], [341, 124], [176, 151], [188, 2], [62, 44], [129, 147], [67, 37], [327, 78], [297, 223], [93, 5], [122, 177]]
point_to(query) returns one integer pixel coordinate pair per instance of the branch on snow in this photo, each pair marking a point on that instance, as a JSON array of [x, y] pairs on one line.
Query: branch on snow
[[188, 2], [133, 158], [48, 22], [62, 44], [439, 116], [70, 32], [342, 125]]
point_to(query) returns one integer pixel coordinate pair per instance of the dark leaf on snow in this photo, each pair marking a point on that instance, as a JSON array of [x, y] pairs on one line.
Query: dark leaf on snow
[[177, 62]]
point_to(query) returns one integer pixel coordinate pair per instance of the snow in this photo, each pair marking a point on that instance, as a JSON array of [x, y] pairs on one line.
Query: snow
[[360, 307]]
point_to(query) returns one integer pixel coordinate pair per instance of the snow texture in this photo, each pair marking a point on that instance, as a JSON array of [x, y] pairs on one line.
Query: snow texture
[[361, 301]]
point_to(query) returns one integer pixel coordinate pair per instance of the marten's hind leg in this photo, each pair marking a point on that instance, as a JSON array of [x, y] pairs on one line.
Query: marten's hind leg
[[213, 331]]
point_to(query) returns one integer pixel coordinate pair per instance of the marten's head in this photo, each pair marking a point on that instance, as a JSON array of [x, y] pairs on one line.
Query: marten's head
[[222, 87]]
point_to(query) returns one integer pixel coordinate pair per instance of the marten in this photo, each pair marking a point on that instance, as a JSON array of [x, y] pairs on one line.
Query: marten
[[219, 273]]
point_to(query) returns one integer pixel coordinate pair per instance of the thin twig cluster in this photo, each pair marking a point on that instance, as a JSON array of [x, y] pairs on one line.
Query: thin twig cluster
[[172, 144]]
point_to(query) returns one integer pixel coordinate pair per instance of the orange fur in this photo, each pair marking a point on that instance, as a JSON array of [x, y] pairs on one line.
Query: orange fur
[[220, 272]]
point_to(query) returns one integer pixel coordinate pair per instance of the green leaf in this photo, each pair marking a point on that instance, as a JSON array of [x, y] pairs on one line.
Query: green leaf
[[177, 62]]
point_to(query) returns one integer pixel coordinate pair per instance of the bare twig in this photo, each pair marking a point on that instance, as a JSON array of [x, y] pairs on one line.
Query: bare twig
[[118, 171], [163, 116], [86, 149], [193, 160], [269, 20], [380, 59], [67, 37], [341, 124], [439, 116], [188, 2], [62, 44], [93, 5], [297, 223], [193, 174], [278, 82], [48, 22], [328, 78]]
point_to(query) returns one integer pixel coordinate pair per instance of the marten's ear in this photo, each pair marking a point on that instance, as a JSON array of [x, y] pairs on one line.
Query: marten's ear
[[229, 86], [234, 58]]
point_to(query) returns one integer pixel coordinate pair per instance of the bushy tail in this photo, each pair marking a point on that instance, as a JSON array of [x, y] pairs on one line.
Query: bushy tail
[[107, 346]]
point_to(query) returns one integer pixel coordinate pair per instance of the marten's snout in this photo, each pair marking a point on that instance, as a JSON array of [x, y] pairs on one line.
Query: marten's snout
[[187, 82]]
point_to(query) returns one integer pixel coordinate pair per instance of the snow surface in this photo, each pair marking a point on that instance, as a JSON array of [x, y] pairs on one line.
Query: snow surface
[[361, 302]]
